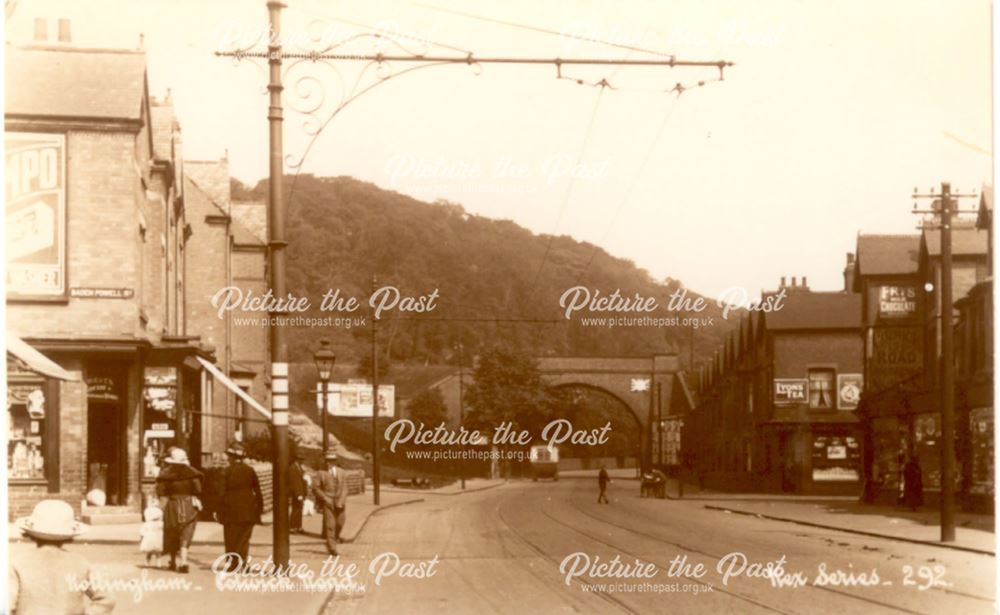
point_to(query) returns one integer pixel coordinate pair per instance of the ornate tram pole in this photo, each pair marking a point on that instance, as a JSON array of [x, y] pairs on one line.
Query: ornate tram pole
[[276, 253]]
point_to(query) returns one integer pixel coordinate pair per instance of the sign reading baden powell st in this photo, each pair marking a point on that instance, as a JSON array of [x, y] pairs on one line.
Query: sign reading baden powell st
[[791, 390], [35, 190]]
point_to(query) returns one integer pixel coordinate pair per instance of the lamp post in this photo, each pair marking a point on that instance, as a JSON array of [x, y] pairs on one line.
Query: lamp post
[[325, 359]]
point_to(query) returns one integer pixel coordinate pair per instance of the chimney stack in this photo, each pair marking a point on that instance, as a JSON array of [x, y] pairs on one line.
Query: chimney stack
[[849, 273]]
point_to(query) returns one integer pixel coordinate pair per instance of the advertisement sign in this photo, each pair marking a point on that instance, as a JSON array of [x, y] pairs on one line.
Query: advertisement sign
[[791, 390], [355, 400], [897, 301], [35, 184], [895, 354], [849, 390]]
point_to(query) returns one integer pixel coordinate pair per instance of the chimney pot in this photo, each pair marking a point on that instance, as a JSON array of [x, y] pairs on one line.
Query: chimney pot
[[782, 282], [804, 283]]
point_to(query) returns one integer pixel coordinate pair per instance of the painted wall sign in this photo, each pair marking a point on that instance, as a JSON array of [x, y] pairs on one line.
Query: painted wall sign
[[791, 390], [896, 354], [101, 293], [897, 301], [849, 388], [35, 190]]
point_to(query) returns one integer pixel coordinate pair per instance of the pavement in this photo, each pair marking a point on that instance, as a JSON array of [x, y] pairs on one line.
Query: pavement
[[973, 532]]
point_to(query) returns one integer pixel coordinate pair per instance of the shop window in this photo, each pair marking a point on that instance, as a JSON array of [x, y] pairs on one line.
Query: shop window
[[159, 416], [821, 389], [25, 442]]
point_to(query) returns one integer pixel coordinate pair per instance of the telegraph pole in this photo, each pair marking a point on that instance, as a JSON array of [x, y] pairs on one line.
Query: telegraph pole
[[375, 434], [276, 249], [461, 401], [947, 366]]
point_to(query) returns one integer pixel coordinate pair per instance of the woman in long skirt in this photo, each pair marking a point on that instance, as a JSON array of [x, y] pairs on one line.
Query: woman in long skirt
[[180, 484]]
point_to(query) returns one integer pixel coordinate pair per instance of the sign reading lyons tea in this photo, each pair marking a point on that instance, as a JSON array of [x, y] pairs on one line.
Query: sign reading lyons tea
[[36, 215], [791, 390]]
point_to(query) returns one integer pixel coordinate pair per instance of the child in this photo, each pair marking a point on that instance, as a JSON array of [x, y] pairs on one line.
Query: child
[[45, 577], [151, 534]]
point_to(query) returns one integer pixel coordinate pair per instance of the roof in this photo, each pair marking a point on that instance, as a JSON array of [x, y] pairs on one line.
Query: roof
[[964, 242], [164, 124], [817, 310], [104, 84], [253, 216], [242, 235], [212, 176], [887, 254]]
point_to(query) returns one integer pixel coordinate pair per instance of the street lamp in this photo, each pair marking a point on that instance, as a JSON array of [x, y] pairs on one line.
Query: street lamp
[[324, 358]]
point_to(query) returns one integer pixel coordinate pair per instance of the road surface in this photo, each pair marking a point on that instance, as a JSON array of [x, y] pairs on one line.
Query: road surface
[[500, 551]]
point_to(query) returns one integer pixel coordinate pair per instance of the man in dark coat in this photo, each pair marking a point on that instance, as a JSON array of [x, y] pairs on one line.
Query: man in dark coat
[[913, 484], [602, 482], [297, 491], [242, 504], [331, 495]]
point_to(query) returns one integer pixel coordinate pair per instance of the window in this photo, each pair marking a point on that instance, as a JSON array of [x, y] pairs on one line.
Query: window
[[821, 396], [26, 419]]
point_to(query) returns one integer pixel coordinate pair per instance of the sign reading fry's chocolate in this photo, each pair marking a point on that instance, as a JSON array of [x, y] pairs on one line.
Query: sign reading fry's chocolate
[[36, 215]]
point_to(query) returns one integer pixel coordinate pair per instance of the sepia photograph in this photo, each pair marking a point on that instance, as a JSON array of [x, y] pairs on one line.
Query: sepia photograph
[[443, 306]]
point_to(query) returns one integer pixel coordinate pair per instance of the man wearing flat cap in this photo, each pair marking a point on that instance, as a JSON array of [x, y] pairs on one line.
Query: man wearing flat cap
[[331, 495], [242, 505]]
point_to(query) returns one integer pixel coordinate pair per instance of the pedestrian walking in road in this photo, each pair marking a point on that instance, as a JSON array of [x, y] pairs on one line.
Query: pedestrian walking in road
[[242, 505], [298, 489], [151, 534], [602, 482], [46, 578], [913, 484], [181, 485], [331, 496]]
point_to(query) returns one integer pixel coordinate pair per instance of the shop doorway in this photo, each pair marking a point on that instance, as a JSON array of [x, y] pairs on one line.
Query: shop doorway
[[105, 436]]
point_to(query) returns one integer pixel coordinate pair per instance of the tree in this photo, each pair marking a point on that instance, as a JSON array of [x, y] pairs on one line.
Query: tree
[[428, 408], [508, 388]]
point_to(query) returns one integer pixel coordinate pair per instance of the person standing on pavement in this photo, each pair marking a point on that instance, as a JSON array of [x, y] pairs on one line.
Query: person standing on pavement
[[298, 489], [46, 578], [242, 505], [181, 485], [913, 484], [331, 495], [602, 482]]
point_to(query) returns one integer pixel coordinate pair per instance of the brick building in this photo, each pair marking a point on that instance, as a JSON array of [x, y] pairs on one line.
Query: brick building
[[899, 278], [109, 259], [775, 409]]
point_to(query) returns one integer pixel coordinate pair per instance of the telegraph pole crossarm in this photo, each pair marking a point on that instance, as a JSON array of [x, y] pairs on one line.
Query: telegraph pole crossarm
[[947, 359]]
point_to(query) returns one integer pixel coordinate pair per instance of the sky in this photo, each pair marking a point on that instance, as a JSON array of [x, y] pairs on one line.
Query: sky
[[831, 115]]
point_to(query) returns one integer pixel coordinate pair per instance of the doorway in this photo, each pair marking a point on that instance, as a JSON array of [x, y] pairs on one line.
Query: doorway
[[105, 434]]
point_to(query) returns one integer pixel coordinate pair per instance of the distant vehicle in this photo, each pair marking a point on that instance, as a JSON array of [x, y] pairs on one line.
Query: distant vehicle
[[544, 462]]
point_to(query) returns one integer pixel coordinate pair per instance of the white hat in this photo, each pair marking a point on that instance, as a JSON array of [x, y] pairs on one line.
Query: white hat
[[51, 520], [178, 456]]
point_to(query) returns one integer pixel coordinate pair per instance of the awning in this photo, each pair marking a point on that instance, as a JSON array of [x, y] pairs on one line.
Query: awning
[[36, 360], [232, 386]]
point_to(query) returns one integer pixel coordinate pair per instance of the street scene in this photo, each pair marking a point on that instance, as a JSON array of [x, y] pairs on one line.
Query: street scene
[[396, 307]]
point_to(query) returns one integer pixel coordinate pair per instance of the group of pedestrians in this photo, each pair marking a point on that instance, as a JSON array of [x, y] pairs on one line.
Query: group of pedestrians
[[38, 571]]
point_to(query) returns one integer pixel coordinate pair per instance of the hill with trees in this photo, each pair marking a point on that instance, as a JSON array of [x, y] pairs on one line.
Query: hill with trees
[[486, 272]]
